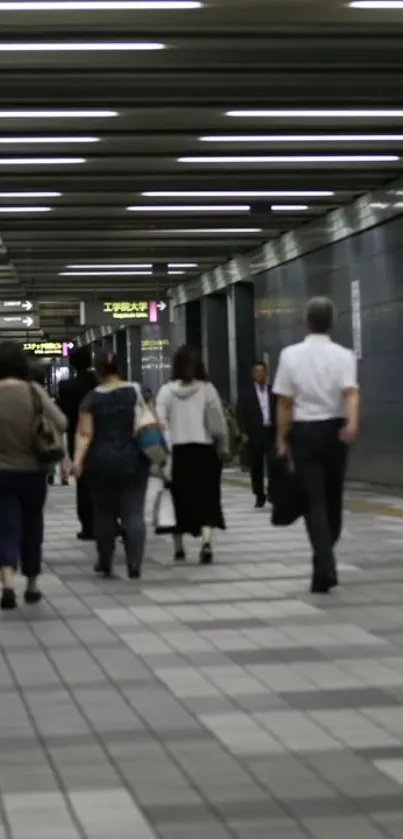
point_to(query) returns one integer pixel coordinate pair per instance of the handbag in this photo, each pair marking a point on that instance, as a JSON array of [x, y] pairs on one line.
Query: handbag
[[286, 495], [47, 440], [147, 431]]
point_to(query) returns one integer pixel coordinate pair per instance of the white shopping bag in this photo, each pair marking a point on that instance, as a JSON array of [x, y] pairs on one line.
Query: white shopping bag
[[164, 520]]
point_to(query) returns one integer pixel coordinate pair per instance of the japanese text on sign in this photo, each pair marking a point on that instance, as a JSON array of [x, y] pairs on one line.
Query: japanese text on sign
[[45, 348], [127, 310]]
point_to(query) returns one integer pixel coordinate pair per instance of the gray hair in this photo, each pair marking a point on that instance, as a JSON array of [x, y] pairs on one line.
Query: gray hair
[[320, 315]]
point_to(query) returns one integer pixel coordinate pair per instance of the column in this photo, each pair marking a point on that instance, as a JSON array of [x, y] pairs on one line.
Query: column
[[241, 334], [133, 347], [193, 323], [214, 333], [107, 343], [121, 352]]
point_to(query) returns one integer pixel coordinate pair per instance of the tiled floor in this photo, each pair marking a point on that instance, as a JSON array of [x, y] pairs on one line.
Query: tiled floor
[[208, 702]]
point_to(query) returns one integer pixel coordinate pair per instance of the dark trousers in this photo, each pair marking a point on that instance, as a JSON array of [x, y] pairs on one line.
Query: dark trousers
[[320, 461], [22, 499], [260, 455], [85, 511], [125, 502]]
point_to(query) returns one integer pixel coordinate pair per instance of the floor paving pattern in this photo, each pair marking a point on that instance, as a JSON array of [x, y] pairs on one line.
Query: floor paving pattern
[[220, 702]]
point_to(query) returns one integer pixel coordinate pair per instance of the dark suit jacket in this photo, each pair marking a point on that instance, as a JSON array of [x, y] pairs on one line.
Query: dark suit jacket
[[71, 394], [250, 417]]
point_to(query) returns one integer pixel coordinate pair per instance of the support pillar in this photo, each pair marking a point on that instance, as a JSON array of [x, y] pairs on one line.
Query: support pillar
[[241, 334], [214, 333]]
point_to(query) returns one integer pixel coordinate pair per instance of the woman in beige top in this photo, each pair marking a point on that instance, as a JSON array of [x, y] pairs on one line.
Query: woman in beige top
[[23, 478]]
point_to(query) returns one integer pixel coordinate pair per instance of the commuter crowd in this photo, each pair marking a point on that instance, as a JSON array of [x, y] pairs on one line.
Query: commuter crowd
[[110, 433]]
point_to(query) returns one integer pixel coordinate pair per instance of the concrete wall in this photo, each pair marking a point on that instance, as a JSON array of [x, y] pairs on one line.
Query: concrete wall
[[375, 259]]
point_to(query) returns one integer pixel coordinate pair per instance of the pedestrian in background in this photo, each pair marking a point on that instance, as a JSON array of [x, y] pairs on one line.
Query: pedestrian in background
[[256, 419], [192, 417], [70, 396], [317, 419]]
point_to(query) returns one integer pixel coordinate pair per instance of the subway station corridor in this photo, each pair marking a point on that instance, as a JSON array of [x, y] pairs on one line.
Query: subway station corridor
[[208, 702]]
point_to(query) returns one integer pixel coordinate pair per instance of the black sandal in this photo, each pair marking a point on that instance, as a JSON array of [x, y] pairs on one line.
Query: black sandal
[[8, 599]]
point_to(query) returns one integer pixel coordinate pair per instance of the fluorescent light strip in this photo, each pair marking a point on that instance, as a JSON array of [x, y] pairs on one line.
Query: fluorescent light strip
[[22, 141], [25, 209], [105, 274], [57, 114], [293, 158], [248, 193], [289, 208], [98, 5], [207, 231], [175, 273], [219, 208], [40, 161], [319, 113], [183, 265], [83, 46], [30, 194], [376, 4], [305, 138], [107, 266]]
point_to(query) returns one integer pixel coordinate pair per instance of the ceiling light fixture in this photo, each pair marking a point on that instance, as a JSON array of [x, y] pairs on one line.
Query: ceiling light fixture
[[376, 4], [30, 194], [97, 5], [219, 208], [248, 193], [292, 159], [183, 265], [320, 113], [22, 141], [105, 274], [289, 208], [56, 114], [205, 231], [175, 273], [25, 209], [107, 266], [306, 138], [80, 46], [40, 161]]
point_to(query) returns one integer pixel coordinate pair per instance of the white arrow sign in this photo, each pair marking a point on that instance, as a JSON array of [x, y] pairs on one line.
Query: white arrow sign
[[162, 306], [27, 305], [28, 321]]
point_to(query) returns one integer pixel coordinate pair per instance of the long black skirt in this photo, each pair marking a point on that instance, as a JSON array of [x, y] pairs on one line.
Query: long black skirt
[[196, 488]]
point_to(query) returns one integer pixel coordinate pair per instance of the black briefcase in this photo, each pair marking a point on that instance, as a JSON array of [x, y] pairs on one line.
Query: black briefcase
[[286, 495]]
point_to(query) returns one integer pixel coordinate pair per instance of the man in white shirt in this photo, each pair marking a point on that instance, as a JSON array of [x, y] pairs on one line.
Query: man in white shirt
[[256, 417], [318, 417]]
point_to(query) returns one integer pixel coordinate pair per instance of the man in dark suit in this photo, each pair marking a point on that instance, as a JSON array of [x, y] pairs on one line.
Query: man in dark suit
[[256, 417], [71, 394]]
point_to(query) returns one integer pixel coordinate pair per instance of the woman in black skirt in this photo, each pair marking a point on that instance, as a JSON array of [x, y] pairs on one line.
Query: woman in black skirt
[[191, 413]]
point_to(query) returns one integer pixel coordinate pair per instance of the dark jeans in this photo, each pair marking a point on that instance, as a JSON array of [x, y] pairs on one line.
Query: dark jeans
[[22, 499], [260, 455], [320, 462], [126, 502], [85, 510]]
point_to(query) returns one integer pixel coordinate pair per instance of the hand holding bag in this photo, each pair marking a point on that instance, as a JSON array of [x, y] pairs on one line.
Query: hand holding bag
[[147, 431]]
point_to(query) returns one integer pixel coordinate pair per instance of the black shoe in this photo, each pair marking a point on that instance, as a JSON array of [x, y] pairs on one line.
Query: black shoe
[[133, 572], [98, 567], [32, 597], [260, 502], [334, 580], [85, 537], [180, 556], [8, 599], [65, 482], [206, 555], [320, 585], [51, 480]]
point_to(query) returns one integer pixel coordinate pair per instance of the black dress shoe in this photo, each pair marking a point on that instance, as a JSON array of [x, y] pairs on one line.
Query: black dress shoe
[[180, 556], [260, 502], [334, 580], [8, 599], [206, 555], [32, 597], [320, 585], [133, 572]]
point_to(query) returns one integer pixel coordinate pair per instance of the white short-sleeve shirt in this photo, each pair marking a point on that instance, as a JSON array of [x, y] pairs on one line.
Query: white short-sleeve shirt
[[314, 374]]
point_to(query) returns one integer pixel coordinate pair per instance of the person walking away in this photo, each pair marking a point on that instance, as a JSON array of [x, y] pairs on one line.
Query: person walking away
[[256, 419], [107, 451], [23, 478], [71, 393], [318, 402], [37, 373], [192, 417]]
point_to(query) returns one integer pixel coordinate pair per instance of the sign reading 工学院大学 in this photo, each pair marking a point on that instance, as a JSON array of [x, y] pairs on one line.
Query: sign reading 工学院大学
[[120, 312]]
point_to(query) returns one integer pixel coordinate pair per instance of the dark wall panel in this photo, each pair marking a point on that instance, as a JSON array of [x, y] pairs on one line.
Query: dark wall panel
[[375, 258]]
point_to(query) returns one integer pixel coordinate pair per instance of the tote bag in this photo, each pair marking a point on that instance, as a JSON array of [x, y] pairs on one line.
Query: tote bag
[[164, 520], [147, 431]]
